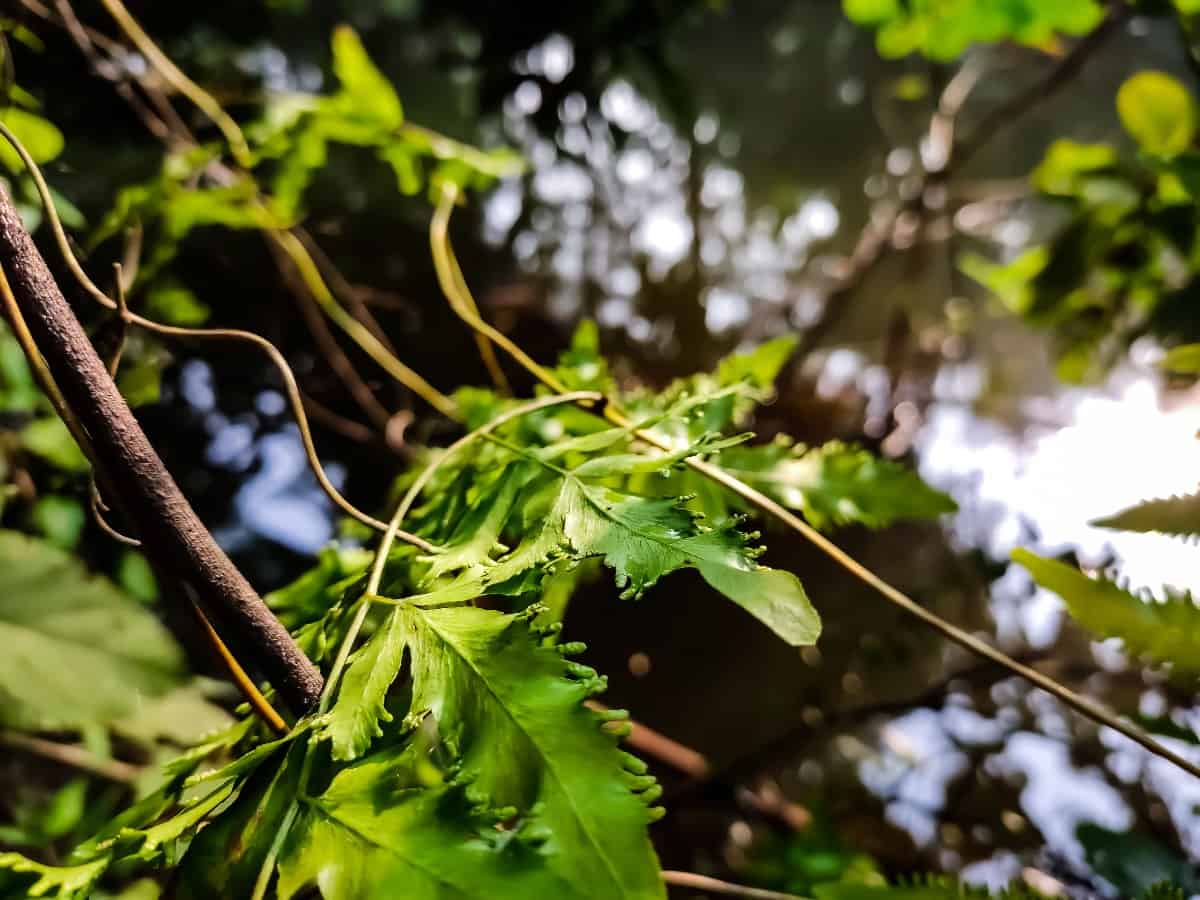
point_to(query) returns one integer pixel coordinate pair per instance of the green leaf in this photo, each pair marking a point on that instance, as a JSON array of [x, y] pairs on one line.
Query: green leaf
[[513, 711], [353, 721], [1158, 112], [1184, 359], [66, 882], [312, 594], [477, 534], [59, 519], [224, 858], [1134, 863], [837, 484], [1169, 515], [1059, 171], [365, 91], [171, 302], [39, 136], [582, 367], [52, 611], [943, 31], [1011, 282], [1166, 631], [135, 576], [871, 12], [18, 393], [760, 366], [645, 538], [389, 826], [49, 439], [182, 716]]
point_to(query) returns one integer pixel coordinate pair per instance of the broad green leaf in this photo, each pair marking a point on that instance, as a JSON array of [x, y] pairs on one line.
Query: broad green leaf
[[513, 711], [49, 439], [40, 137], [1169, 515], [837, 484], [389, 826], [1162, 631], [1184, 359], [368, 93], [353, 721], [1134, 863], [643, 539], [18, 392], [182, 716], [1158, 112], [1011, 282], [135, 576], [51, 610]]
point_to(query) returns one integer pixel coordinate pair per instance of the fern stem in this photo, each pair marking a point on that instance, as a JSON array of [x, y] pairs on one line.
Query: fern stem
[[1085, 706], [180, 82], [455, 288]]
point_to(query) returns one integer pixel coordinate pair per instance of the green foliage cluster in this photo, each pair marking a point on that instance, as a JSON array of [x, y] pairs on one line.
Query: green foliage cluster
[[1123, 262], [458, 756], [943, 31], [289, 146]]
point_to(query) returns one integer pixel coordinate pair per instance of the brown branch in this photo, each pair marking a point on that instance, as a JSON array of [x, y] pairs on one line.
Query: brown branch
[[71, 755], [136, 479], [350, 294]]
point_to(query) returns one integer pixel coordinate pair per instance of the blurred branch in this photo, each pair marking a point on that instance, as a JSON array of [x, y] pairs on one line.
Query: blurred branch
[[318, 327], [1058, 77], [944, 155], [725, 888], [347, 428], [351, 294], [72, 755]]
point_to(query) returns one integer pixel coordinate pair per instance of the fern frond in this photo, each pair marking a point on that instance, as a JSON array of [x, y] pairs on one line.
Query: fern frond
[[1161, 631], [1178, 516]]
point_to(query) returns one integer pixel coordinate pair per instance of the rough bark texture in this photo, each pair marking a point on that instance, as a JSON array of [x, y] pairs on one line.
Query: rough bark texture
[[173, 537]]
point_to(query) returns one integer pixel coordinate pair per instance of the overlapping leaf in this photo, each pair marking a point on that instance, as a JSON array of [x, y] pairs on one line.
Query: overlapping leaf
[[512, 711], [52, 611], [1162, 631], [836, 484], [392, 826]]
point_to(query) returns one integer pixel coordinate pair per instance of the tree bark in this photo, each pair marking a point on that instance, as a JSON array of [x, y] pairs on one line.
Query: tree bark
[[173, 537]]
